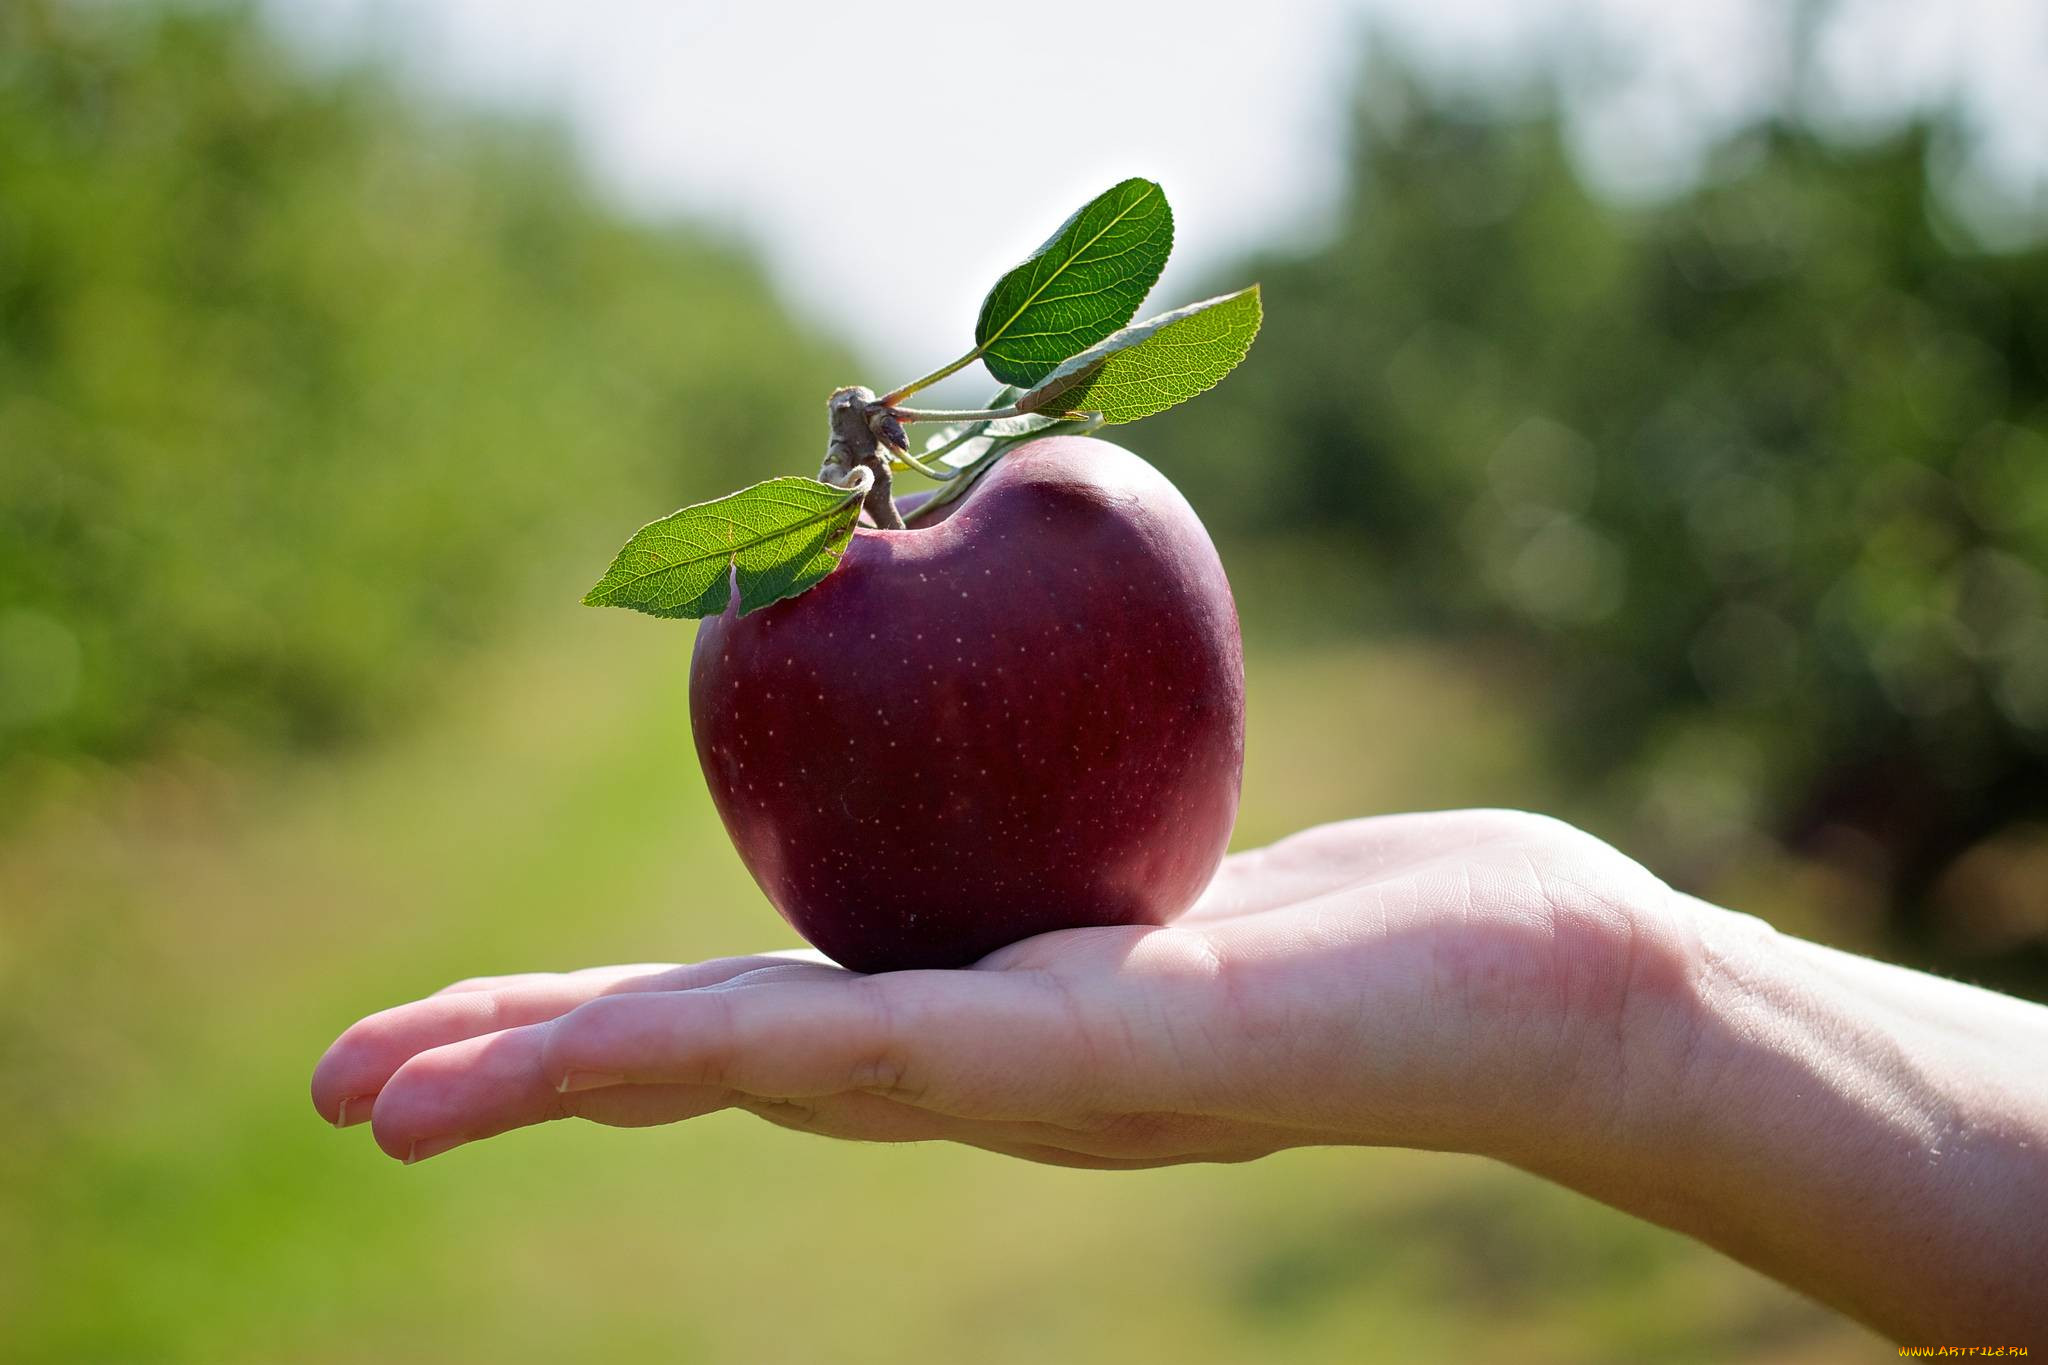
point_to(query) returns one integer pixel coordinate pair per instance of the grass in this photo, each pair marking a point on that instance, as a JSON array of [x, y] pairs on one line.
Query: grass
[[176, 947]]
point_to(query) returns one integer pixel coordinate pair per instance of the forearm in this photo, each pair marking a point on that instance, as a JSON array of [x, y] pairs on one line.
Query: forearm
[[1875, 1137]]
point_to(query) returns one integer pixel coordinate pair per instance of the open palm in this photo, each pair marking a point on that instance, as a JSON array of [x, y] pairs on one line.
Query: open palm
[[1422, 980]]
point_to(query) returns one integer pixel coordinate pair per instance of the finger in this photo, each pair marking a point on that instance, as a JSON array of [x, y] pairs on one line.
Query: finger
[[480, 1087], [348, 1078], [971, 1044], [857, 1117], [1046, 1155], [472, 984], [645, 1106], [946, 1037], [1150, 1138], [620, 973], [853, 1117]]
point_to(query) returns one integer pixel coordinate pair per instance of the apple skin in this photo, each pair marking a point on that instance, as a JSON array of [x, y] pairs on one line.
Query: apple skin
[[1028, 716]]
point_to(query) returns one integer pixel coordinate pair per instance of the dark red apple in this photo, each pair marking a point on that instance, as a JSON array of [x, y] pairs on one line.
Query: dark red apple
[[1028, 716]]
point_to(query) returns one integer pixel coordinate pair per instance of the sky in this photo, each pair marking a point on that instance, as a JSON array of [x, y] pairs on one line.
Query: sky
[[892, 158]]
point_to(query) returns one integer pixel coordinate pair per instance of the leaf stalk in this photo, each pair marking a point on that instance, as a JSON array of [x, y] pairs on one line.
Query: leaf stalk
[[895, 396], [964, 415]]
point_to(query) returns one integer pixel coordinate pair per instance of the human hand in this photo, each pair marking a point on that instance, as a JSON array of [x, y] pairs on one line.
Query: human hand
[[1463, 980], [1482, 981]]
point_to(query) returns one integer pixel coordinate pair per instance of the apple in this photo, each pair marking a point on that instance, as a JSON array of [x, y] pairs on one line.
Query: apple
[[1027, 715]]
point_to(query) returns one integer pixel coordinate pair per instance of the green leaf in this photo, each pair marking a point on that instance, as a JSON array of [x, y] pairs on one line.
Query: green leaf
[[1156, 364], [783, 536], [1084, 283]]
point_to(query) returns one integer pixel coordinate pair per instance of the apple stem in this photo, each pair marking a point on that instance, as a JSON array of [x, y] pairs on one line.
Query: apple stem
[[860, 429]]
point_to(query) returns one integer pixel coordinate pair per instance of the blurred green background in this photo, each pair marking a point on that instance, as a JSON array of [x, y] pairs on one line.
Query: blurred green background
[[1716, 522]]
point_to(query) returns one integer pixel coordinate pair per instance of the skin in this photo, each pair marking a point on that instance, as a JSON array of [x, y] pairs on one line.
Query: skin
[[1481, 981]]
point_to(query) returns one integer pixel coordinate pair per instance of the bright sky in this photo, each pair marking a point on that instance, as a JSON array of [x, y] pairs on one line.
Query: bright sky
[[893, 157]]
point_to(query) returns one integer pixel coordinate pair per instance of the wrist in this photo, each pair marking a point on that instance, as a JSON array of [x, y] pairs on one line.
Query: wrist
[[1571, 1032], [1688, 1091], [1606, 1076], [1695, 1105], [1853, 1129]]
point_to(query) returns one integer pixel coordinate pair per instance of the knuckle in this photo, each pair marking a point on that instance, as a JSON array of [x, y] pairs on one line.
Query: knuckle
[[701, 1041], [882, 1065]]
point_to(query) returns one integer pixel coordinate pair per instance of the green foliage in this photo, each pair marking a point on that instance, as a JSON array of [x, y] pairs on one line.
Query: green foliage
[[303, 383], [1758, 478], [1082, 284], [1086, 281], [1158, 363], [776, 538]]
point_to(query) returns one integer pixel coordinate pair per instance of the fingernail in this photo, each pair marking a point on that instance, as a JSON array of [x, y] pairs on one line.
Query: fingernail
[[363, 1103], [426, 1147], [588, 1080]]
